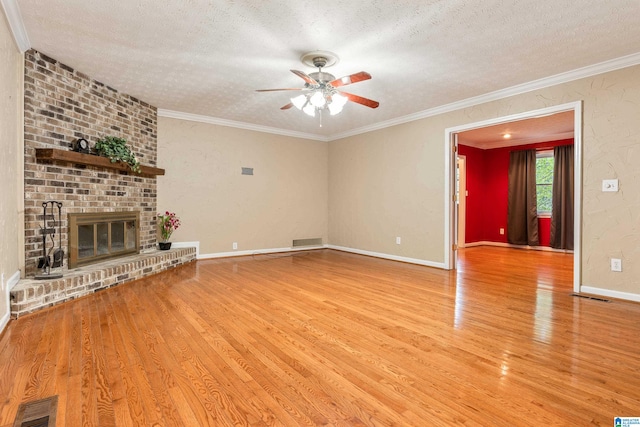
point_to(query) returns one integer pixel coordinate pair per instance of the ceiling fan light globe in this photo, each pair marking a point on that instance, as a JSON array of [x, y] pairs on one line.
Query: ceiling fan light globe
[[310, 110], [335, 108], [338, 99], [299, 101], [317, 99]]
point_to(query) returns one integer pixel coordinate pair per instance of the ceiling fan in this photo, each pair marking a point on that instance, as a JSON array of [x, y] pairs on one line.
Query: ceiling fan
[[321, 87]]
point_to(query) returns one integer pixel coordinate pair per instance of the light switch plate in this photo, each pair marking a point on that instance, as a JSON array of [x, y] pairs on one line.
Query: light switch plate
[[610, 185]]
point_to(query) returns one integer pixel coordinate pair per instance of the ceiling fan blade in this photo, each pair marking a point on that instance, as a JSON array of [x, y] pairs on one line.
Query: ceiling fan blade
[[305, 77], [274, 90], [353, 78], [286, 107], [360, 100]]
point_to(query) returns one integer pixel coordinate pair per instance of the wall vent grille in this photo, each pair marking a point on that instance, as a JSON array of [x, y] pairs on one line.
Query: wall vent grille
[[590, 297], [307, 242], [37, 413]]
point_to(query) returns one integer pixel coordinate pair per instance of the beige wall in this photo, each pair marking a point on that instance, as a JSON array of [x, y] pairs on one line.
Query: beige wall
[[10, 162], [285, 199], [390, 182]]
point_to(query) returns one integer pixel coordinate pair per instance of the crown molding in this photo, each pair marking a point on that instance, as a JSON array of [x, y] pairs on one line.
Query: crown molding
[[240, 125], [14, 18], [580, 73]]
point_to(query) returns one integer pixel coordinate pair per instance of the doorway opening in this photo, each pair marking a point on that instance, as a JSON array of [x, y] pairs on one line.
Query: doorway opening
[[452, 210]]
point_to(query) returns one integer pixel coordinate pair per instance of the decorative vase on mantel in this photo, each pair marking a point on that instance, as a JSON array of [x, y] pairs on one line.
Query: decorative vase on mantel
[[164, 246]]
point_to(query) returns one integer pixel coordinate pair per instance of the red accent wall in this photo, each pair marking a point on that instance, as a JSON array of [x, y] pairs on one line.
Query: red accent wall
[[474, 219], [487, 187], [544, 231]]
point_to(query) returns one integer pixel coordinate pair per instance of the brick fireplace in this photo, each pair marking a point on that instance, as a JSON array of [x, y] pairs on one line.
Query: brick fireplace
[[62, 105]]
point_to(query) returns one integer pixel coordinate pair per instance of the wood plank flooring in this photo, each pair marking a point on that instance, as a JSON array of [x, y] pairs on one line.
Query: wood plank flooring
[[331, 338]]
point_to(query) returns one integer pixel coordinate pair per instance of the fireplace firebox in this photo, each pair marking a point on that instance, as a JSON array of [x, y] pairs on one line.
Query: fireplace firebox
[[99, 236]]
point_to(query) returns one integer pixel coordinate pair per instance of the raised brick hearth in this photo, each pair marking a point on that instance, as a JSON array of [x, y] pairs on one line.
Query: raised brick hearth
[[30, 295]]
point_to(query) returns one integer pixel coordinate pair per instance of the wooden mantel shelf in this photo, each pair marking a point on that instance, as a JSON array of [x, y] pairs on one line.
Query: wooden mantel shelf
[[54, 154]]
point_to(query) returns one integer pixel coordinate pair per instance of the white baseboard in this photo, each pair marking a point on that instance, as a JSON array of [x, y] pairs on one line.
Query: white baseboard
[[388, 256], [5, 320], [486, 243], [188, 245], [339, 248], [258, 252], [509, 245], [13, 280], [609, 293]]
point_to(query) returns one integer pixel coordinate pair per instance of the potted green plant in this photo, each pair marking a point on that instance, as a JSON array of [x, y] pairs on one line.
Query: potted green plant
[[167, 223], [117, 150]]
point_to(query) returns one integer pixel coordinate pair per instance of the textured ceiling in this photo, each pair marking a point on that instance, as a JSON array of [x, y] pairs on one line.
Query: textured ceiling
[[553, 127], [208, 57]]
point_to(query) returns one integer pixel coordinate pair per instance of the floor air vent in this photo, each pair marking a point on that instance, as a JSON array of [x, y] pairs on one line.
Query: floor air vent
[[589, 297], [297, 243], [37, 413]]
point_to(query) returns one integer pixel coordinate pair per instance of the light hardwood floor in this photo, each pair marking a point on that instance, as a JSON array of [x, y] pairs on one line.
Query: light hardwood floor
[[330, 338]]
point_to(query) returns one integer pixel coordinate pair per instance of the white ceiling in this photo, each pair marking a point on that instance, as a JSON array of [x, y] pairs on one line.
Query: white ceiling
[[207, 57], [552, 127]]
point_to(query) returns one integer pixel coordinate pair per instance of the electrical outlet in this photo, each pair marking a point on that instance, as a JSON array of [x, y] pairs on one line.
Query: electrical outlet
[[501, 231], [616, 264], [235, 245], [398, 240]]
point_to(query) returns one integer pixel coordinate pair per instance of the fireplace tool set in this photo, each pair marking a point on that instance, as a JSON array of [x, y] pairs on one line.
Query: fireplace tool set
[[52, 257]]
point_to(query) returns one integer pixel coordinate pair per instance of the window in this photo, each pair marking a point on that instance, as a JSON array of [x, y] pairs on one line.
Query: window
[[544, 181]]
